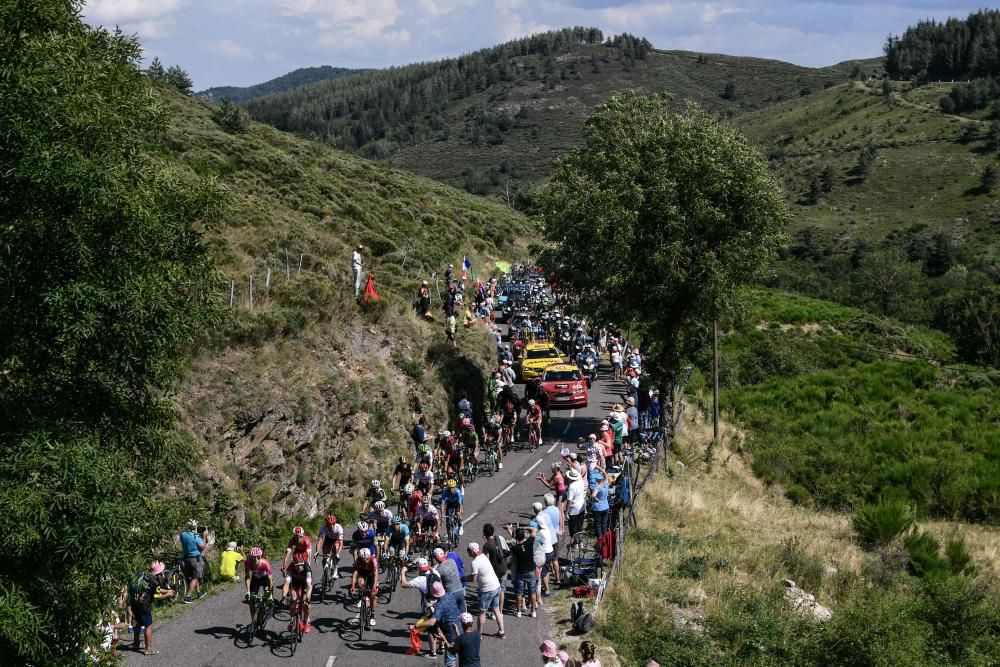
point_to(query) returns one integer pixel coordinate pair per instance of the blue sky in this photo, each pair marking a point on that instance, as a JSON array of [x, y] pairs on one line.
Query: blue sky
[[241, 42]]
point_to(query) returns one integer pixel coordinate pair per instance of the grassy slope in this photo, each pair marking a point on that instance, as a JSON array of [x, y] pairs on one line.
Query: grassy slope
[[314, 392], [926, 175], [300, 77], [555, 117]]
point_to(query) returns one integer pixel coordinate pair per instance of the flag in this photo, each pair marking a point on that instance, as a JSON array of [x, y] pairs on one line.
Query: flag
[[466, 266], [370, 294]]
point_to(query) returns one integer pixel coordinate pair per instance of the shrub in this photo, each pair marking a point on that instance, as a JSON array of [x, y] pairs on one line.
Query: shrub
[[881, 523], [693, 567], [925, 554], [231, 118]]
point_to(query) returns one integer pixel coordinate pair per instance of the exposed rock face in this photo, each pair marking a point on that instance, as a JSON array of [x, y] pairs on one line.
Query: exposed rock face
[[804, 602]]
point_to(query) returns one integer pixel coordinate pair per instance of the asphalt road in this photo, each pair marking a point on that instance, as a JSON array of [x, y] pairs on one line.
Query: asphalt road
[[209, 631]]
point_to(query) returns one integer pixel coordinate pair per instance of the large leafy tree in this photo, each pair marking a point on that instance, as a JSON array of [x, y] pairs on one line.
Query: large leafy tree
[[106, 285], [658, 219]]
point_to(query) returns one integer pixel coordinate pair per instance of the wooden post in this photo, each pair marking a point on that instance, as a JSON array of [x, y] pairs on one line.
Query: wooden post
[[267, 279], [715, 380], [251, 292], [232, 292], [288, 273], [301, 255]]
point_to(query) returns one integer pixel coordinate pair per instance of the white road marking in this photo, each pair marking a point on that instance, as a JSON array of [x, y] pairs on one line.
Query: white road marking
[[525, 473], [470, 517], [566, 430], [497, 496], [572, 413], [332, 659], [554, 445]]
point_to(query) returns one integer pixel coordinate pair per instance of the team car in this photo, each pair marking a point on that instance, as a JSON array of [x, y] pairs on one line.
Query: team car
[[565, 386], [536, 358]]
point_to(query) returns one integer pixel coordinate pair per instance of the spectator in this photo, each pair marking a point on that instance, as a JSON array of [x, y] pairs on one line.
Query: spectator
[[466, 646], [193, 548], [588, 655], [497, 550], [148, 586], [524, 569], [548, 532], [229, 560], [550, 654], [489, 587], [449, 569], [554, 517], [599, 504], [576, 501], [444, 620], [356, 269], [423, 582]]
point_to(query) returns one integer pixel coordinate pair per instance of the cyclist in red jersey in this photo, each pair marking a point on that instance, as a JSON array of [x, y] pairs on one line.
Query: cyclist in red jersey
[[257, 575], [300, 577], [299, 544], [366, 569]]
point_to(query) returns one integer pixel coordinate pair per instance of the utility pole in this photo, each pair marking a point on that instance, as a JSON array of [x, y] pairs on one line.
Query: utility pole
[[715, 380]]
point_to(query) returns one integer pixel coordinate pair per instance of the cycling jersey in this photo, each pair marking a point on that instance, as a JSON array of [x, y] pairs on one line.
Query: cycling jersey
[[361, 540], [331, 536], [428, 516], [397, 536], [451, 498], [470, 439], [300, 574], [381, 519], [303, 546], [258, 573], [373, 495], [405, 471], [535, 415], [423, 478], [508, 417], [366, 567]]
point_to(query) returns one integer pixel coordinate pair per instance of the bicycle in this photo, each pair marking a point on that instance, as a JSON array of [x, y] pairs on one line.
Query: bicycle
[[298, 612], [392, 575], [533, 436], [261, 606], [452, 527], [506, 439], [470, 470], [492, 461], [176, 581], [330, 565], [365, 615]]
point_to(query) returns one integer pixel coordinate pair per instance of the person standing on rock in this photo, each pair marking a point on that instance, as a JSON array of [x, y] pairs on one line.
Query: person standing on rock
[[356, 269]]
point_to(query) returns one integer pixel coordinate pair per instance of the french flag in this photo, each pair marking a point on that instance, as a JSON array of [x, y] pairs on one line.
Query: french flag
[[466, 265]]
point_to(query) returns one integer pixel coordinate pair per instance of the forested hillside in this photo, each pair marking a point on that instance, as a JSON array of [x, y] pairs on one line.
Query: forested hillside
[[296, 79], [494, 121], [954, 49]]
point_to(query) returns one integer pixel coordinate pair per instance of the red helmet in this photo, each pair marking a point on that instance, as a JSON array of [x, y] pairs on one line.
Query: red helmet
[[298, 531], [331, 519]]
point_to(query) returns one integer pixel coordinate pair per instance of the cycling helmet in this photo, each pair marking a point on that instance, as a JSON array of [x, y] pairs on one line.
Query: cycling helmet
[[331, 519], [256, 552], [365, 554], [363, 526], [531, 401], [469, 426], [424, 448], [192, 524], [432, 509], [408, 488], [466, 422], [298, 531], [397, 519], [376, 484], [452, 484], [447, 434], [380, 506], [300, 556]]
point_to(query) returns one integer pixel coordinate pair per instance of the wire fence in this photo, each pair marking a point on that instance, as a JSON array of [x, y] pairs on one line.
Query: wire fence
[[639, 468]]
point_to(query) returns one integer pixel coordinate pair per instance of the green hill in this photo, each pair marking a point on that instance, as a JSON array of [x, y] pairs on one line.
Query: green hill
[[507, 112], [299, 400], [295, 79]]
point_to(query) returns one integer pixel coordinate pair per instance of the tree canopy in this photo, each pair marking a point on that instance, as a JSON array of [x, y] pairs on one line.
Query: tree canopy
[[953, 49], [106, 285], [659, 218]]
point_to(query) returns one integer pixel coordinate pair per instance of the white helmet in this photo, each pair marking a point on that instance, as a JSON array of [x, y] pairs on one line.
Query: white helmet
[[363, 526], [408, 488], [531, 401], [365, 553], [380, 506], [447, 434], [376, 484], [193, 524]]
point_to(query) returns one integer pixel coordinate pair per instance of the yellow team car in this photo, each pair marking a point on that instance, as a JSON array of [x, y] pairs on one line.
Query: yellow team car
[[536, 358]]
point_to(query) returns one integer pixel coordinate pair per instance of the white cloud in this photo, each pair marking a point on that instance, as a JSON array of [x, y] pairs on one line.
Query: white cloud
[[231, 49], [120, 11]]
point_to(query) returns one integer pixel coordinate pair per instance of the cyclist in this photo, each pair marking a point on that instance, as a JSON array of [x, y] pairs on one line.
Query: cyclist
[[508, 420], [425, 453], [366, 569], [491, 438], [451, 501], [416, 498], [428, 520], [299, 544], [374, 494], [331, 541], [405, 496], [300, 578], [449, 451], [535, 420], [380, 518], [257, 574], [402, 474], [397, 538], [423, 477], [362, 538], [470, 442]]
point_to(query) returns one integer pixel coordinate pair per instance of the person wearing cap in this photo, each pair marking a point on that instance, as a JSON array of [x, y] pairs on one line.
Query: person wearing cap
[[618, 428], [550, 654], [148, 586], [607, 439], [356, 269], [548, 533], [444, 620], [466, 646], [555, 520], [193, 547], [498, 551], [576, 501], [489, 587], [599, 504], [423, 582], [449, 567], [228, 561], [523, 558], [424, 299]]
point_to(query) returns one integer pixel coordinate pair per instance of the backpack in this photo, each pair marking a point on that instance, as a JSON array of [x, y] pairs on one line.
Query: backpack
[[503, 547], [583, 621], [138, 588], [624, 490]]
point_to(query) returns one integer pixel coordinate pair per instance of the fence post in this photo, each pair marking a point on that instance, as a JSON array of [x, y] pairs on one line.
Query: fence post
[[267, 279], [288, 273], [301, 255], [251, 291], [232, 292]]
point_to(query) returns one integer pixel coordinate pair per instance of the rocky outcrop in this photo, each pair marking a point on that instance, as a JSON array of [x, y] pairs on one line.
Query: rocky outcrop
[[805, 602]]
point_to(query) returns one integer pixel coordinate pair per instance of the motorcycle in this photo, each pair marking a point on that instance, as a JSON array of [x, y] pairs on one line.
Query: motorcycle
[[587, 362]]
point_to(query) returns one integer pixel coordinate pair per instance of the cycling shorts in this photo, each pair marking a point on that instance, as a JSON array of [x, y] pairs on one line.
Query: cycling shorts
[[329, 544]]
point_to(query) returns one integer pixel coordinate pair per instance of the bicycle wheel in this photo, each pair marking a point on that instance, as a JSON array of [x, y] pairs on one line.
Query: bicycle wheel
[[176, 582], [363, 616]]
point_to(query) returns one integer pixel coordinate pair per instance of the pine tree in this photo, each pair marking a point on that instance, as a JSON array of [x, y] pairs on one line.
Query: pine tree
[[815, 190], [729, 92], [155, 70], [988, 179], [866, 160], [179, 79], [827, 178]]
